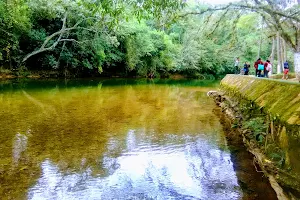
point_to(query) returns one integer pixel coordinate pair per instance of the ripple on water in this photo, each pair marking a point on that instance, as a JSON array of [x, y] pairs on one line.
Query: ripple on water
[[196, 170], [113, 142]]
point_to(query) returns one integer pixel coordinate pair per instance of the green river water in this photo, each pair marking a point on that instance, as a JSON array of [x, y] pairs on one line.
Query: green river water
[[114, 139]]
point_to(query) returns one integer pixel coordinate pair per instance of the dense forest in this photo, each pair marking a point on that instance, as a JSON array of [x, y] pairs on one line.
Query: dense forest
[[145, 37]]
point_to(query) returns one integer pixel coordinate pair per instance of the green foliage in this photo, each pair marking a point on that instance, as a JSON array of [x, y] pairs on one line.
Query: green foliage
[[51, 60], [14, 21], [127, 37], [278, 157], [258, 127], [235, 124], [147, 50], [276, 154], [4, 71], [37, 35]]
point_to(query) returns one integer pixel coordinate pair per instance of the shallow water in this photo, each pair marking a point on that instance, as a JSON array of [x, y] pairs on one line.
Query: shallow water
[[113, 139]]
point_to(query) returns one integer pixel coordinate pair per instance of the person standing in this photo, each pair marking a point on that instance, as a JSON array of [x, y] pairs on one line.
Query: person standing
[[246, 68], [256, 66], [267, 68], [286, 70], [236, 66]]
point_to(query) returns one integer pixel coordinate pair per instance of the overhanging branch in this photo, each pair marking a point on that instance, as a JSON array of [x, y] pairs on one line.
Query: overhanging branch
[[60, 38]]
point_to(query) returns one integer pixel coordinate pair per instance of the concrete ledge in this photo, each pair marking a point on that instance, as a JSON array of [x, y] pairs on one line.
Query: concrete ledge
[[279, 98]]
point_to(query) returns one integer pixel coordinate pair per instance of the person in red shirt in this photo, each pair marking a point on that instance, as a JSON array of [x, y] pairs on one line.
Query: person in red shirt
[[258, 62], [267, 68]]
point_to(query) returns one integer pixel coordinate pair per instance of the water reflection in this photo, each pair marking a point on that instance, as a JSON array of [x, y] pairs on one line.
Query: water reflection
[[19, 147], [116, 142], [194, 170]]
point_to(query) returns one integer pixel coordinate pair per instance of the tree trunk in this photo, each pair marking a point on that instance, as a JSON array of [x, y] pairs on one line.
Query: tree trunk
[[297, 64], [285, 50], [10, 64], [59, 35], [259, 46], [260, 38], [278, 54], [62, 49], [282, 52], [272, 55]]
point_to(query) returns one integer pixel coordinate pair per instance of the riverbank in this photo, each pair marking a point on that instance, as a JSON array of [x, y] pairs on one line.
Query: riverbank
[[266, 114], [42, 74], [254, 185]]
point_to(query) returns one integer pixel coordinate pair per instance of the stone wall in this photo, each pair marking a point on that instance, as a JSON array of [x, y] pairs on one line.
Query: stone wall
[[277, 97], [279, 102]]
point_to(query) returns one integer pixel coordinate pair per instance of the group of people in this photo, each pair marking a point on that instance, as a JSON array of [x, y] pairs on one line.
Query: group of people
[[262, 69]]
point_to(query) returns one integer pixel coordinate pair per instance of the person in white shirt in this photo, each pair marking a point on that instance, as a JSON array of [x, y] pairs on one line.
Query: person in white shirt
[[236, 65]]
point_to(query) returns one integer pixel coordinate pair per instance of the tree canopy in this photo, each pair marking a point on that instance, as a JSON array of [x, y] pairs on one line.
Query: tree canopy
[[138, 38]]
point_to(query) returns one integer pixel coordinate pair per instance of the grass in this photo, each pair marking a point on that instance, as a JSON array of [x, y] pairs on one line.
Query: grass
[[4, 71], [279, 76]]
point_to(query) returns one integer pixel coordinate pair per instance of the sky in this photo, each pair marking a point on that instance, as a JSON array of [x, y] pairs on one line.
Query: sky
[[214, 2], [219, 1]]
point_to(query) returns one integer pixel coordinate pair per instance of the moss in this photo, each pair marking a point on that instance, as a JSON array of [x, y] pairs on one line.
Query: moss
[[278, 102], [280, 98], [279, 76]]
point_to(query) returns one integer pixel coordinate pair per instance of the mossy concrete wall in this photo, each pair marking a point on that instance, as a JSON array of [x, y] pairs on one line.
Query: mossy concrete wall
[[279, 98]]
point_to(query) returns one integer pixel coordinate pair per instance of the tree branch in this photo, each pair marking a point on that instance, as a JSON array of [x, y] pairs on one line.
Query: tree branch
[[69, 40], [57, 33], [60, 34], [272, 14], [204, 11], [252, 8]]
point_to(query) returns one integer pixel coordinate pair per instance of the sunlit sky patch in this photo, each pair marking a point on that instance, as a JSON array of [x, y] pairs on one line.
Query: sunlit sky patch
[[195, 170], [213, 2]]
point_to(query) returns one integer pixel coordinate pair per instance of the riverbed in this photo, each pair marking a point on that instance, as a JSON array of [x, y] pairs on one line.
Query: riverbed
[[118, 139]]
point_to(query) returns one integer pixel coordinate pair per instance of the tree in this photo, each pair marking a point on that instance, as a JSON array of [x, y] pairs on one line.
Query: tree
[[130, 37], [104, 35], [14, 20], [112, 10], [282, 16]]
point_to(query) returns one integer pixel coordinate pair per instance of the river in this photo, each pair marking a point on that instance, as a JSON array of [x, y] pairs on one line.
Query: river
[[118, 139]]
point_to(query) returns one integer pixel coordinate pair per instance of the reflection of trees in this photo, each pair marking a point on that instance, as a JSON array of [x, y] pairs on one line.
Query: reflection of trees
[[194, 170], [15, 181], [87, 128], [19, 171], [19, 147]]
